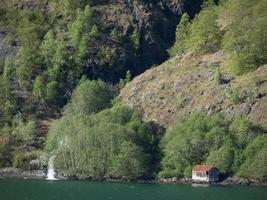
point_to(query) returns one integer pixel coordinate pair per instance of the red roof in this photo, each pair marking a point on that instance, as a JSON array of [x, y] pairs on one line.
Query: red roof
[[202, 168]]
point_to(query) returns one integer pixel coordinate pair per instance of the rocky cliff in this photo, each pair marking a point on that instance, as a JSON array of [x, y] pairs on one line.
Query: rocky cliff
[[184, 85]]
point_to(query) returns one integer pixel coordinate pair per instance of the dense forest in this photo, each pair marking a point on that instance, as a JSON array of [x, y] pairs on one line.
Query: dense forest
[[60, 86]]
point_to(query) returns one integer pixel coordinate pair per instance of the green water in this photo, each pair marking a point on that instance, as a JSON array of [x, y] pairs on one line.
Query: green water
[[78, 190]]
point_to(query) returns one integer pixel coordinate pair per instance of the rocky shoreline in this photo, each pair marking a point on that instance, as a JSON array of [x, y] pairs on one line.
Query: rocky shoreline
[[39, 174], [175, 180], [18, 173]]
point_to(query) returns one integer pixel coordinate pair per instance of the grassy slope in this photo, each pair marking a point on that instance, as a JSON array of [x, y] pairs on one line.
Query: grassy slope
[[179, 87]]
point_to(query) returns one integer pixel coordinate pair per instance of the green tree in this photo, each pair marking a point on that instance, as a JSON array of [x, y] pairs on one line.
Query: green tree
[[84, 47], [82, 25], [48, 47], [30, 30], [59, 62], [182, 31], [39, 88], [91, 97], [244, 38], [222, 159], [255, 167], [52, 91], [188, 172], [109, 143], [27, 63], [204, 33], [243, 131], [135, 39], [124, 81], [69, 6], [131, 161]]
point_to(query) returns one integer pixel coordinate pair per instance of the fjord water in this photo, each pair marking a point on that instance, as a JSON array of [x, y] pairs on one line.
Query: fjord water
[[82, 190]]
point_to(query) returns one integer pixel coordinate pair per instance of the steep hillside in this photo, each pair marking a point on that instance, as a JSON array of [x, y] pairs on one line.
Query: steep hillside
[[153, 23], [36, 38], [179, 87], [48, 47]]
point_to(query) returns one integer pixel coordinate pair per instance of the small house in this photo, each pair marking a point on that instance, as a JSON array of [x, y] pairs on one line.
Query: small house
[[205, 173]]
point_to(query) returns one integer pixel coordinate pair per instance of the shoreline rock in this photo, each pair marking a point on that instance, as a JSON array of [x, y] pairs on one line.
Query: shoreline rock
[[18, 173], [10, 173]]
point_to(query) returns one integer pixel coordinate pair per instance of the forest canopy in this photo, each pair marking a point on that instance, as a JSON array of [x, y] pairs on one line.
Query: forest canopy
[[201, 139], [237, 27]]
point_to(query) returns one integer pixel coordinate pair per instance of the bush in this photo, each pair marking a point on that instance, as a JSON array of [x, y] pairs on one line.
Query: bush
[[235, 96], [116, 35], [180, 101], [218, 76]]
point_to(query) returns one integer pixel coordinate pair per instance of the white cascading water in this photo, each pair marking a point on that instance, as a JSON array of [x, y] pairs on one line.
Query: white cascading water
[[51, 172]]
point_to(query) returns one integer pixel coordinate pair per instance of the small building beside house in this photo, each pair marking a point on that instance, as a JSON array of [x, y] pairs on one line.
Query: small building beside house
[[205, 173]]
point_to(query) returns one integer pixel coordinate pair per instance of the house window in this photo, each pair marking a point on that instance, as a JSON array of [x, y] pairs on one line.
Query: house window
[[199, 174]]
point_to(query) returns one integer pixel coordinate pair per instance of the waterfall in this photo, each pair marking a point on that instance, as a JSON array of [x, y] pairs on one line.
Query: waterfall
[[51, 172]]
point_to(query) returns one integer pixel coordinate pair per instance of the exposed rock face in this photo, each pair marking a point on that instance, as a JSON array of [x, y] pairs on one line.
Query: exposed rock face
[[178, 88], [156, 26]]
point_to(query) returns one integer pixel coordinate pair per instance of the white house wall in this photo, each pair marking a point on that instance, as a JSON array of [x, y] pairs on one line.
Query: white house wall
[[200, 178]]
